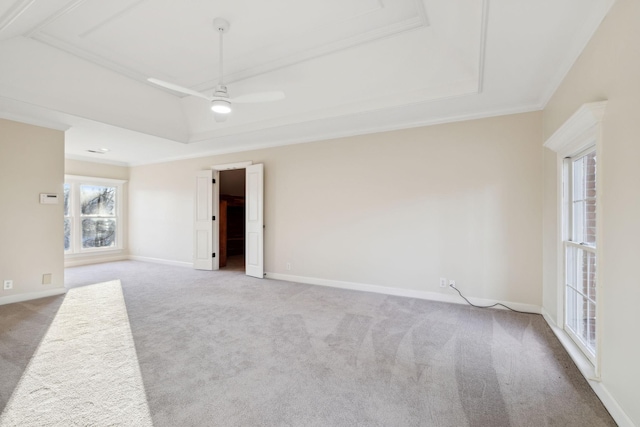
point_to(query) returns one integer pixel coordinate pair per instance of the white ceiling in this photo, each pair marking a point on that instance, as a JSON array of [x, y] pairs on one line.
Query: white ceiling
[[347, 67]]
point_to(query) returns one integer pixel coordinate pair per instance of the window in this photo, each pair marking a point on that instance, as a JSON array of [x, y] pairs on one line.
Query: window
[[67, 218], [580, 250], [578, 144], [92, 215]]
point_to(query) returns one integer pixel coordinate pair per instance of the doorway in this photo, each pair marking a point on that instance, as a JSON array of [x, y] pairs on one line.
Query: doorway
[[232, 220], [206, 237]]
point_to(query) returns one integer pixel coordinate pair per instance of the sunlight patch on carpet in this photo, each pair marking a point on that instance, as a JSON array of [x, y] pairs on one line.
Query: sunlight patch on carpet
[[85, 371]]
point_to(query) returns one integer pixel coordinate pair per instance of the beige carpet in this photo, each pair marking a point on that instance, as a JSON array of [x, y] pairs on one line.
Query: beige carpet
[[85, 371], [224, 349]]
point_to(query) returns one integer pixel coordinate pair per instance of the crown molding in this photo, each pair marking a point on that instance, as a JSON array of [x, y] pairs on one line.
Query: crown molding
[[90, 57], [111, 18], [14, 12], [377, 105], [61, 12], [33, 121], [329, 135]]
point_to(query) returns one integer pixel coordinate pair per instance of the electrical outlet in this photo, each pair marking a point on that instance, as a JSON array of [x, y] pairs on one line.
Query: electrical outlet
[[443, 282], [452, 283], [288, 266], [46, 279], [8, 284]]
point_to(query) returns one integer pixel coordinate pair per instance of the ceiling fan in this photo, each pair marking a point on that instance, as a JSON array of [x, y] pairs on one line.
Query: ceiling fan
[[220, 100]]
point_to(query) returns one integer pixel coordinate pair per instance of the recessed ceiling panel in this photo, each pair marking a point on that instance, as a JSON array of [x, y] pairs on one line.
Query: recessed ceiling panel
[[176, 40]]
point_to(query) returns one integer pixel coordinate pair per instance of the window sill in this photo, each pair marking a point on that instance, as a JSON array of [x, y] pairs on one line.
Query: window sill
[[95, 253], [586, 368], [94, 257]]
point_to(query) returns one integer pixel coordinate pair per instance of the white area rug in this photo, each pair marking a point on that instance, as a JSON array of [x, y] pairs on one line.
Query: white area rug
[[85, 371]]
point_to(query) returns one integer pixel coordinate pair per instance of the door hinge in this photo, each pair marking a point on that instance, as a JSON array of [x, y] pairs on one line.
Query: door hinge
[[213, 218], [213, 181], [213, 255]]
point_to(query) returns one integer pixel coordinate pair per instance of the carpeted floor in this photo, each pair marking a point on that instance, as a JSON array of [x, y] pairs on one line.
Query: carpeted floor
[[85, 367], [221, 348]]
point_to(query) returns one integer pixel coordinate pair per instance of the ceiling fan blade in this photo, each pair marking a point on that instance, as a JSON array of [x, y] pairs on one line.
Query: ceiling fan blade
[[178, 88], [256, 97]]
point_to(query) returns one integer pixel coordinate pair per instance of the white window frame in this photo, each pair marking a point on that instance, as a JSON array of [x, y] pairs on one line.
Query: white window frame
[[75, 244], [569, 241], [580, 132]]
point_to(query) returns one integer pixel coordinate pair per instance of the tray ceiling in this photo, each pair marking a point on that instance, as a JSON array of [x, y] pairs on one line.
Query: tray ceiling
[[347, 67]]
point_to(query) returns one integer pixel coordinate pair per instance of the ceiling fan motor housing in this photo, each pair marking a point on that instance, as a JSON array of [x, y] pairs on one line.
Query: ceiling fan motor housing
[[221, 91], [221, 24]]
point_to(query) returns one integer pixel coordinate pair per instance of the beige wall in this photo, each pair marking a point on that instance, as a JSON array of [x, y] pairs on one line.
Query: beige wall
[[99, 170], [550, 268], [31, 234], [609, 68], [397, 209]]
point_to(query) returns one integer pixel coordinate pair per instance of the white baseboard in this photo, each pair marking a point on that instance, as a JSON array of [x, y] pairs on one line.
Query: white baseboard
[[31, 295], [160, 261], [587, 370], [76, 262], [411, 293]]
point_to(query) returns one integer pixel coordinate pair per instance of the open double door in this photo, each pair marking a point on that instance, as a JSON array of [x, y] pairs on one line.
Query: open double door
[[206, 232]]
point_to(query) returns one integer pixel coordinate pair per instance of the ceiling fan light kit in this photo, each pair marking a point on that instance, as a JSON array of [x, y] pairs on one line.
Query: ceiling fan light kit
[[221, 106], [220, 101]]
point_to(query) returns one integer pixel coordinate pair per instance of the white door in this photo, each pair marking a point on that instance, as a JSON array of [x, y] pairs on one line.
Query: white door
[[205, 246], [254, 203]]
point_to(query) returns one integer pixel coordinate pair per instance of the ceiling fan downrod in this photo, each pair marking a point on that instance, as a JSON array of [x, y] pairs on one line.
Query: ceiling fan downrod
[[221, 106]]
